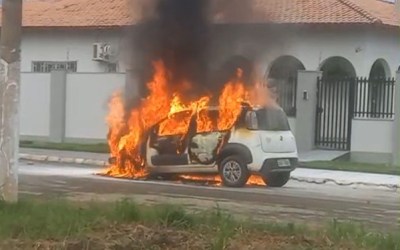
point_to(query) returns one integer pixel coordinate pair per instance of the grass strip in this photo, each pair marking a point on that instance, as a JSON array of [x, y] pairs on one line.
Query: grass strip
[[152, 227]]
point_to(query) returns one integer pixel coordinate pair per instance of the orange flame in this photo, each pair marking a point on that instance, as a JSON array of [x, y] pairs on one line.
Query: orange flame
[[230, 102], [254, 180], [115, 121]]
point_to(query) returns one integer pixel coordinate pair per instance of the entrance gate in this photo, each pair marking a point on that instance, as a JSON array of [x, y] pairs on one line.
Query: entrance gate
[[335, 106]]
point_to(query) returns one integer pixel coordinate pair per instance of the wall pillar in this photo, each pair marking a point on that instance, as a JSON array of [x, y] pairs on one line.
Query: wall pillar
[[58, 82], [396, 125], [306, 109]]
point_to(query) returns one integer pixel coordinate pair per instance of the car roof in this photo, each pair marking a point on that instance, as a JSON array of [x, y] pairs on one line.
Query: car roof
[[214, 108]]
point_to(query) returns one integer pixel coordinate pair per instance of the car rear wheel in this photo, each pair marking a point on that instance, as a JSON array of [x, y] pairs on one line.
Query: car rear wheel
[[276, 179], [233, 172]]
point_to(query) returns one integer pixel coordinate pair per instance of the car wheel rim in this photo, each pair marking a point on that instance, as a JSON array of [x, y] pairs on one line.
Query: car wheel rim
[[232, 171]]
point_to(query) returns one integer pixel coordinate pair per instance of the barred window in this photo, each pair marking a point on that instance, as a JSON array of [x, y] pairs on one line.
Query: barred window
[[48, 66]]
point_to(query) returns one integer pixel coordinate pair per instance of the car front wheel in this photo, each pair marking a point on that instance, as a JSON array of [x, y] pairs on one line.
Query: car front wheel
[[278, 179], [233, 172]]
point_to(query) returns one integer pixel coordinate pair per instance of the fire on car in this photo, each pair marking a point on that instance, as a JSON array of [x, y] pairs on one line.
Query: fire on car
[[235, 138]]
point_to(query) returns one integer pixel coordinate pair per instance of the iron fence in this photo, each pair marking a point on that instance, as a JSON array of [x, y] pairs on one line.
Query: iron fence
[[339, 100], [335, 104], [374, 98]]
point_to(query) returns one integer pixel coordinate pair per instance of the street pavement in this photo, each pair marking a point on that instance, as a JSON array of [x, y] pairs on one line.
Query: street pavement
[[296, 202], [342, 178]]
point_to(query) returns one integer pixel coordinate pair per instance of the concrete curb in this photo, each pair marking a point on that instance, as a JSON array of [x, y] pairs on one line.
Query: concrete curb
[[56, 159], [343, 183]]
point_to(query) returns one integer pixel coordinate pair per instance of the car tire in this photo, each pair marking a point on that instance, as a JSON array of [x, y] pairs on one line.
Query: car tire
[[276, 179], [233, 171]]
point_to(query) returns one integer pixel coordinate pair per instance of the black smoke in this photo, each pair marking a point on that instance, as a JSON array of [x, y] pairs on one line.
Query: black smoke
[[178, 33]]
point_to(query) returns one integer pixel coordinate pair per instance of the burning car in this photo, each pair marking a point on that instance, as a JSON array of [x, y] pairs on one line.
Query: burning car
[[259, 142]]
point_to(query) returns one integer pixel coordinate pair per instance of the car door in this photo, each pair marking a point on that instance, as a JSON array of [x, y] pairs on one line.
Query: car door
[[204, 144]]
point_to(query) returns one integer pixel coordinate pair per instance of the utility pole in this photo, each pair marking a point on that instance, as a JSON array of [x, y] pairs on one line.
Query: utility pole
[[10, 43]]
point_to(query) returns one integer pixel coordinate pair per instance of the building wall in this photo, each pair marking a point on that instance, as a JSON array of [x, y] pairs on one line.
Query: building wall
[[312, 46], [372, 136], [292, 124], [87, 96], [264, 44], [87, 104], [35, 104], [69, 45]]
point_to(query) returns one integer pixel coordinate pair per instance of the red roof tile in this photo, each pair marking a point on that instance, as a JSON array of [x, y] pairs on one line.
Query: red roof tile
[[106, 13], [383, 11], [315, 11], [75, 13]]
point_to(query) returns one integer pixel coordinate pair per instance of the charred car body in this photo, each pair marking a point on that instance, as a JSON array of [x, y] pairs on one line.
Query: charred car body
[[260, 142]]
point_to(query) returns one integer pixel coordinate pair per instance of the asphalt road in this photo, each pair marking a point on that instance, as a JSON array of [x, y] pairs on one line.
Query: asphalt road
[[296, 202]]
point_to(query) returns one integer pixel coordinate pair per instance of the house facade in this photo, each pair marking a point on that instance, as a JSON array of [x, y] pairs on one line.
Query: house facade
[[333, 38]]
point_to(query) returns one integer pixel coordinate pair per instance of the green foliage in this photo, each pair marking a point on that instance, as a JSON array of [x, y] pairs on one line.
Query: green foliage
[[59, 219]]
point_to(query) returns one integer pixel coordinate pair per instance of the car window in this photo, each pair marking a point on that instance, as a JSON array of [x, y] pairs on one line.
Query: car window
[[272, 119], [176, 124]]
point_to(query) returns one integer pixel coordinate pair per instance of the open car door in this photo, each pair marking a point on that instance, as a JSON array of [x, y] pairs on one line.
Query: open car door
[[205, 143], [168, 140]]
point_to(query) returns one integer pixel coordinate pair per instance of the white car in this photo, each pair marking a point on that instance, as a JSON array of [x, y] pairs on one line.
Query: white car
[[260, 143]]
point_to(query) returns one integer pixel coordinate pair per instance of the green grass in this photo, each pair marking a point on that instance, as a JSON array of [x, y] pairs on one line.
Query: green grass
[[352, 166], [59, 220], [93, 148]]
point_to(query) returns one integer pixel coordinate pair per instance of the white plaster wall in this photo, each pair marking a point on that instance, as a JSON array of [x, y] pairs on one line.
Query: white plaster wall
[[58, 45], [292, 123], [312, 46], [87, 104], [372, 136], [35, 104], [383, 44]]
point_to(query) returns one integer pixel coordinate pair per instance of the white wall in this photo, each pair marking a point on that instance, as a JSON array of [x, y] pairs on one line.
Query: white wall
[[312, 46], [292, 124], [58, 45], [372, 136], [87, 104], [383, 44], [35, 104]]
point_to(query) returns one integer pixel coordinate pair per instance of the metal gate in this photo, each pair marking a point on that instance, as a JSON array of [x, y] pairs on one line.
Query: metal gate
[[335, 106]]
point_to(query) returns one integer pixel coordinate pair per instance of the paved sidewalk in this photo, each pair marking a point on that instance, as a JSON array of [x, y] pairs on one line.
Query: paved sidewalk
[[344, 178], [54, 156], [320, 155]]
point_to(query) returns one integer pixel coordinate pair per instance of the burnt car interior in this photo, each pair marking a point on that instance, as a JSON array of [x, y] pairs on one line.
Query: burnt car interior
[[198, 146], [171, 148]]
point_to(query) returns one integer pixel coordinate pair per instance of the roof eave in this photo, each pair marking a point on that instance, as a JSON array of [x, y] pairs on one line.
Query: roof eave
[[376, 23]]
